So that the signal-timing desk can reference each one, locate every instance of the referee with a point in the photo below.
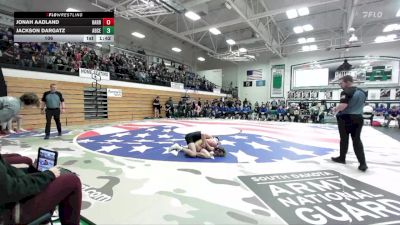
(51, 102)
(350, 120)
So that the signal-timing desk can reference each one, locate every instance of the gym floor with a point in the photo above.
(129, 177)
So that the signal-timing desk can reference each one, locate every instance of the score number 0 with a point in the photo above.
(108, 21)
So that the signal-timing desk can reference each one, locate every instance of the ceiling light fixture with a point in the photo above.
(298, 29)
(192, 15)
(387, 38)
(71, 10)
(305, 48)
(391, 27)
(313, 47)
(215, 31)
(353, 38)
(201, 59)
(305, 40)
(380, 39)
(230, 42)
(291, 14)
(391, 37)
(138, 35)
(308, 27)
(303, 11)
(242, 50)
(250, 56)
(175, 49)
(302, 40)
(310, 40)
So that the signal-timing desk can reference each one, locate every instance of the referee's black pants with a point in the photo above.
(56, 114)
(351, 124)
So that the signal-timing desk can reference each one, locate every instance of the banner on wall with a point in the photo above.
(94, 74)
(217, 90)
(277, 73)
(385, 94)
(254, 74)
(260, 83)
(177, 85)
(374, 94)
(247, 83)
(117, 93)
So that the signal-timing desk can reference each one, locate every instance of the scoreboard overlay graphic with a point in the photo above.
(64, 26)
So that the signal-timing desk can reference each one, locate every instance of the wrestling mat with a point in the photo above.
(129, 177)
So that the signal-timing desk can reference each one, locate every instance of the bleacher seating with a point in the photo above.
(67, 58)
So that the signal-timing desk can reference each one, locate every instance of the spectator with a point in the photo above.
(368, 113)
(156, 107)
(281, 113)
(169, 108)
(36, 193)
(393, 114)
(11, 106)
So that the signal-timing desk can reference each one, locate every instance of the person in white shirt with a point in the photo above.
(368, 112)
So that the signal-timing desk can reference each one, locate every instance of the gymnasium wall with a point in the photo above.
(236, 73)
(135, 103)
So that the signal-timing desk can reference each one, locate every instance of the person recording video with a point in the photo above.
(26, 194)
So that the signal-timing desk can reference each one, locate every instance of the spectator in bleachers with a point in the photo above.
(221, 110)
(206, 109)
(238, 111)
(263, 112)
(156, 107)
(281, 112)
(314, 113)
(381, 110)
(181, 108)
(169, 108)
(246, 110)
(245, 102)
(368, 112)
(392, 114)
(197, 109)
(274, 104)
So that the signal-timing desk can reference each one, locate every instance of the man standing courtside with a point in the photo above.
(350, 120)
(52, 101)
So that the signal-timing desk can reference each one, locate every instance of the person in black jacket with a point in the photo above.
(27, 194)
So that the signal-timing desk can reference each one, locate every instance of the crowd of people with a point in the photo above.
(388, 113)
(69, 57)
(233, 108)
(274, 110)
